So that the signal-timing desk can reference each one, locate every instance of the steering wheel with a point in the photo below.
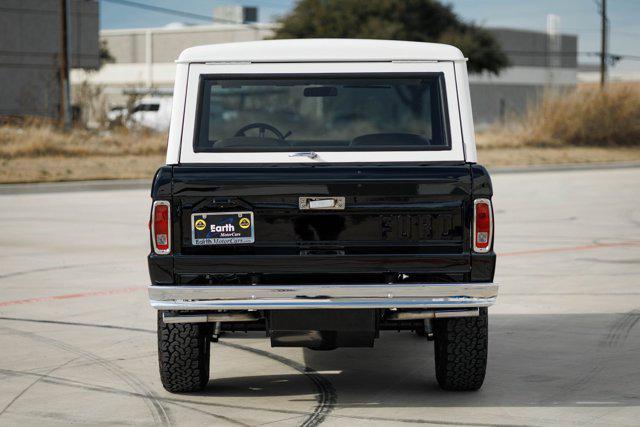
(262, 127)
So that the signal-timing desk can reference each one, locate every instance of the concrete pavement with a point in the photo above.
(77, 337)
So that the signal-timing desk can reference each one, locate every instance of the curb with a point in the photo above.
(563, 168)
(73, 186)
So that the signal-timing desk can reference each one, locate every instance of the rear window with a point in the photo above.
(320, 113)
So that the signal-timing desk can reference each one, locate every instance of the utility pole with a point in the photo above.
(603, 40)
(64, 63)
(69, 116)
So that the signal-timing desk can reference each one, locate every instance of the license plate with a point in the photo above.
(222, 228)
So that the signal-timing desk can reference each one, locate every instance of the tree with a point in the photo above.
(415, 20)
(104, 54)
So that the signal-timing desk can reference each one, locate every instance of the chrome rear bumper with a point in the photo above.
(334, 296)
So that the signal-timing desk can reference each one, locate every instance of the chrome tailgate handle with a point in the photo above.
(321, 203)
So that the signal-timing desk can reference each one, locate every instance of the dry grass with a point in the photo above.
(36, 151)
(583, 126)
(53, 169)
(45, 140)
(586, 117)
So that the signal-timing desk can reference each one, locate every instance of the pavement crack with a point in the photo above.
(619, 331)
(54, 268)
(104, 389)
(34, 382)
(326, 396)
(158, 411)
(318, 415)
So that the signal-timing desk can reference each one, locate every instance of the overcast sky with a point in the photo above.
(577, 17)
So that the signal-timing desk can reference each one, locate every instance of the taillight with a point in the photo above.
(161, 227)
(482, 225)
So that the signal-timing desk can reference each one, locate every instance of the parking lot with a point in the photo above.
(78, 345)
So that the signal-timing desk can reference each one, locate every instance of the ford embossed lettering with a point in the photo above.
(321, 192)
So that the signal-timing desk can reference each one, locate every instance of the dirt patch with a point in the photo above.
(60, 168)
(48, 169)
(525, 156)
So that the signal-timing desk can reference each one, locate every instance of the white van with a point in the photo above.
(151, 113)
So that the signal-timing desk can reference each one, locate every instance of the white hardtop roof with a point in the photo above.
(321, 50)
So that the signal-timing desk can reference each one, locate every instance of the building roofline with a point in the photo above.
(190, 28)
(527, 30)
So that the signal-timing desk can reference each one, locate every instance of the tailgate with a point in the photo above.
(390, 220)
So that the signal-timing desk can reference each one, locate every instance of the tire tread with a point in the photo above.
(183, 356)
(461, 347)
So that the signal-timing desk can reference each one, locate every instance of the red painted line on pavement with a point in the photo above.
(117, 291)
(569, 248)
(101, 293)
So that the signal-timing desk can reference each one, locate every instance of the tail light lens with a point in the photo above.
(482, 225)
(161, 227)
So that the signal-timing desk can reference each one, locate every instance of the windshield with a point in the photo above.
(322, 114)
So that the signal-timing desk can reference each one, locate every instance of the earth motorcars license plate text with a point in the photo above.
(222, 228)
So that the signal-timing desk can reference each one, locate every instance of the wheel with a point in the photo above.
(461, 351)
(183, 355)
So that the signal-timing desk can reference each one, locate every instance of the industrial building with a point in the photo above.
(144, 63)
(143, 57)
(538, 61)
(30, 53)
(589, 73)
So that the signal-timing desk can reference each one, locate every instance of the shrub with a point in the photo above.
(586, 116)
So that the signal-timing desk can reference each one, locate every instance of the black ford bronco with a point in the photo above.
(322, 191)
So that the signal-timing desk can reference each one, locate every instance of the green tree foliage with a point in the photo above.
(416, 20)
(104, 54)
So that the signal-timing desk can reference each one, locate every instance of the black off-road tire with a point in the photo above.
(183, 355)
(461, 351)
